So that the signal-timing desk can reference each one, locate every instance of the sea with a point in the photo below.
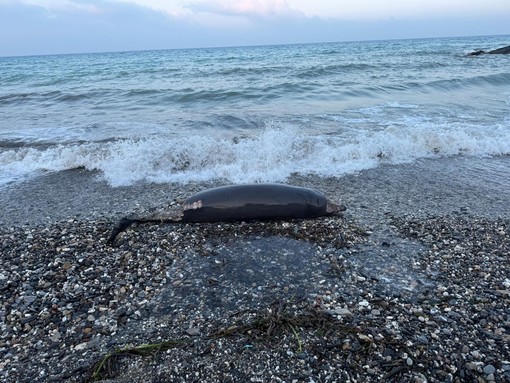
(252, 114)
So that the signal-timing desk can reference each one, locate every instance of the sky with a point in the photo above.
(33, 27)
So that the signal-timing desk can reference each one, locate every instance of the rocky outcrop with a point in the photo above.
(499, 51)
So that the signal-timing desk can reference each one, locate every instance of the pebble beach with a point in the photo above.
(410, 284)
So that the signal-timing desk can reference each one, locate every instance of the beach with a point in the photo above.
(410, 284)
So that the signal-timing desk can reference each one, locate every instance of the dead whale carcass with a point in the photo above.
(243, 203)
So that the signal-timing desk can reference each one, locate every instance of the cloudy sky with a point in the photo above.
(72, 26)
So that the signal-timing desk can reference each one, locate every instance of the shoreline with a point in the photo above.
(476, 186)
(411, 284)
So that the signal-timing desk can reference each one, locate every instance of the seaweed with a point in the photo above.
(280, 318)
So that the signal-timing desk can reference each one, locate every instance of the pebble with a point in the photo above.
(341, 311)
(80, 346)
(472, 366)
(69, 299)
(193, 331)
(489, 369)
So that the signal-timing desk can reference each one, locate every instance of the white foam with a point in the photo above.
(271, 155)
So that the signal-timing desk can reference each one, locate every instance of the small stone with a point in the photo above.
(81, 346)
(489, 369)
(409, 361)
(342, 312)
(420, 379)
(302, 355)
(55, 336)
(193, 331)
(29, 299)
(422, 339)
(471, 366)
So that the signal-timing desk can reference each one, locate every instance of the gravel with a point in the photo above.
(398, 292)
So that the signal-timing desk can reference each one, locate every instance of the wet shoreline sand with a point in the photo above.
(411, 284)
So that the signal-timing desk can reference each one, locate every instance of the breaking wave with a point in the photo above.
(270, 156)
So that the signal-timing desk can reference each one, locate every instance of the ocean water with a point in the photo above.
(252, 114)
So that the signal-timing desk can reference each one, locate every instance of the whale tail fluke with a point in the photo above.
(122, 225)
(159, 217)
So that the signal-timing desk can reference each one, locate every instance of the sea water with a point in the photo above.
(252, 114)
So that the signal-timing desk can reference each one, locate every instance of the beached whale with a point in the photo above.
(499, 51)
(242, 203)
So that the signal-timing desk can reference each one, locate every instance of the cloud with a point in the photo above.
(384, 9)
(64, 27)
(248, 8)
(195, 9)
(54, 6)
(174, 8)
(71, 26)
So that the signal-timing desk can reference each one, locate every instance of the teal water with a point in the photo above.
(250, 114)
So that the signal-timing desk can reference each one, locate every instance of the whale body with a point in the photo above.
(242, 203)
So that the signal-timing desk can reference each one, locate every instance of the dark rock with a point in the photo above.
(477, 53)
(499, 51)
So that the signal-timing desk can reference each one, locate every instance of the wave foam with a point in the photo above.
(272, 155)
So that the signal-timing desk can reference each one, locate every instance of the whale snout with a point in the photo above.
(333, 208)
